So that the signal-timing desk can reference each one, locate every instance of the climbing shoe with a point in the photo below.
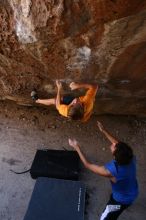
(34, 95)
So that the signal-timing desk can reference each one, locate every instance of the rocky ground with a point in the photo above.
(23, 130)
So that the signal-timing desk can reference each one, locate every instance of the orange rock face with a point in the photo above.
(95, 41)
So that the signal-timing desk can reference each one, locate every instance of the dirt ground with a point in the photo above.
(23, 130)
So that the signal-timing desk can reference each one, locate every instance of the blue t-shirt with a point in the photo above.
(125, 190)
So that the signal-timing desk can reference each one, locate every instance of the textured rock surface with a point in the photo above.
(93, 41)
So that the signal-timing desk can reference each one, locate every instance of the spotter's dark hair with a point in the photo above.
(123, 153)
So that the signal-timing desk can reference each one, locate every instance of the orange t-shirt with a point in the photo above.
(88, 102)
